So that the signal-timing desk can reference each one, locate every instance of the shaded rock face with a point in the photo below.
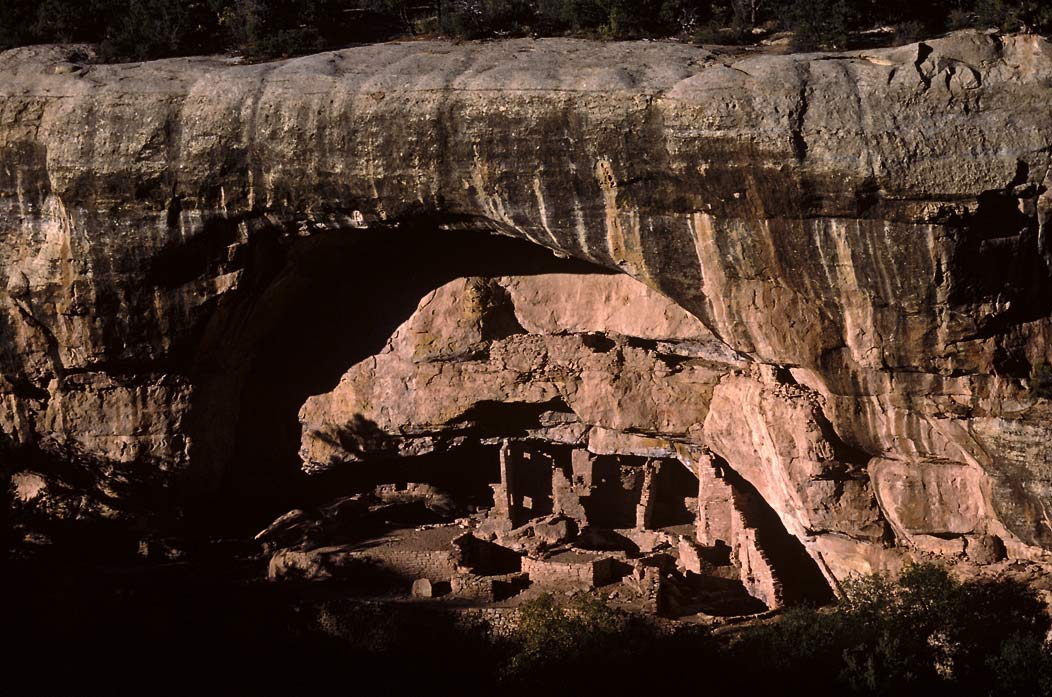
(835, 274)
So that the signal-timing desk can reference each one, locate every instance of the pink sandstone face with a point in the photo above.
(825, 277)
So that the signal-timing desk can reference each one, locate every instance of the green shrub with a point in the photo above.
(64, 21)
(17, 18)
(144, 29)
(1021, 668)
(550, 640)
(923, 633)
(823, 23)
(139, 29)
(265, 30)
(1013, 15)
(472, 19)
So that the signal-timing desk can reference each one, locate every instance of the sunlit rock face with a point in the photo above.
(550, 342)
(835, 273)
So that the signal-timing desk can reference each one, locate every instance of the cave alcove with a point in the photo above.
(308, 309)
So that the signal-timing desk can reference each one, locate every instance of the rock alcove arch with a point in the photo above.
(459, 345)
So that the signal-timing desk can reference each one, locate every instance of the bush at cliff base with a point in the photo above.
(925, 633)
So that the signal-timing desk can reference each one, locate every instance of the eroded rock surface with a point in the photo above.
(465, 365)
(842, 274)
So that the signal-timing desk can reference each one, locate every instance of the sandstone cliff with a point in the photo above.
(841, 274)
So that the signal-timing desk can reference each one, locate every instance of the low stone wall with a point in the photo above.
(434, 565)
(499, 621)
(488, 588)
(569, 569)
(339, 562)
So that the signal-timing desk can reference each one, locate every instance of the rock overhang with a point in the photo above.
(819, 213)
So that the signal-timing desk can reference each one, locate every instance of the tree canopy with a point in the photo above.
(260, 29)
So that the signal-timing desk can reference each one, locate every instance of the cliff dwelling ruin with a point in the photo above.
(511, 437)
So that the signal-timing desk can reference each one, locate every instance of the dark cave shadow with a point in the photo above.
(358, 437)
(313, 307)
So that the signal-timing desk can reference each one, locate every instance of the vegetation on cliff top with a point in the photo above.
(143, 29)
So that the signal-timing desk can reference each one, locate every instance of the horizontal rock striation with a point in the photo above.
(841, 263)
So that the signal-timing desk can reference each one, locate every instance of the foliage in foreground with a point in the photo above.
(925, 633)
(142, 29)
(582, 642)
